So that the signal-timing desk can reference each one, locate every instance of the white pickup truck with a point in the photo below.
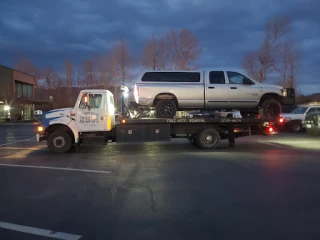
(171, 91)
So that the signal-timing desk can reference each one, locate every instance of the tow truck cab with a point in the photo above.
(93, 112)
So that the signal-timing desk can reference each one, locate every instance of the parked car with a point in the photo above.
(213, 113)
(37, 113)
(312, 123)
(172, 91)
(293, 120)
(203, 114)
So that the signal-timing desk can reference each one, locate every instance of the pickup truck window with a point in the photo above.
(299, 110)
(311, 110)
(236, 78)
(217, 77)
(171, 77)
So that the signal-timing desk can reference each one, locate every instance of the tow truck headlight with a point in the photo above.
(40, 129)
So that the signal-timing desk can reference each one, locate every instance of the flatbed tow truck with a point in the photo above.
(92, 119)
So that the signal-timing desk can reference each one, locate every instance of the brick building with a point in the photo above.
(16, 94)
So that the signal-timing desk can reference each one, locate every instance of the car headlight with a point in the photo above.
(284, 92)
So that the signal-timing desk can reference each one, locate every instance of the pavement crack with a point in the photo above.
(153, 203)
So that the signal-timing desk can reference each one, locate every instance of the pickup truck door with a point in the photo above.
(92, 118)
(243, 93)
(216, 90)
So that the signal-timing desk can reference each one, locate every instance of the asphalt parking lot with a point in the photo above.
(264, 188)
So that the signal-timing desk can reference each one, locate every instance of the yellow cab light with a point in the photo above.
(40, 129)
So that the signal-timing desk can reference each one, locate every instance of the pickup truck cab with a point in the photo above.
(171, 91)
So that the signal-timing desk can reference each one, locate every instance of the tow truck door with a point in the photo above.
(91, 112)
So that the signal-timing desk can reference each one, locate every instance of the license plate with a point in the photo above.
(308, 126)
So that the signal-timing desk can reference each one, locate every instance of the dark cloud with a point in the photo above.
(50, 31)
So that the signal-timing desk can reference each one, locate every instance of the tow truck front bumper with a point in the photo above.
(40, 137)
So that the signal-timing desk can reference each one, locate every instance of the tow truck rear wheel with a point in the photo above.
(59, 142)
(208, 138)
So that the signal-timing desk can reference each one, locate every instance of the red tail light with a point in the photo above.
(270, 129)
(280, 120)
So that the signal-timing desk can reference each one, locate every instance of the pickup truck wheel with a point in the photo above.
(270, 108)
(295, 126)
(166, 109)
(208, 138)
(59, 142)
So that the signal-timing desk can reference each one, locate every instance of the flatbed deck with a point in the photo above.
(197, 130)
(195, 120)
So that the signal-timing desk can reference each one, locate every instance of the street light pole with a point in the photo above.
(124, 95)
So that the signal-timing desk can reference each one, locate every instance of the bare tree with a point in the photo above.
(259, 63)
(120, 65)
(69, 80)
(27, 66)
(51, 83)
(89, 73)
(153, 54)
(183, 47)
(291, 55)
(121, 59)
(106, 71)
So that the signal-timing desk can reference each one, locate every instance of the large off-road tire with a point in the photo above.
(270, 109)
(60, 142)
(208, 138)
(166, 109)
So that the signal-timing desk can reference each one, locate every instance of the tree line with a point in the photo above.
(173, 50)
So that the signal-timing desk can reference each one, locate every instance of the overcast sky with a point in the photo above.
(48, 31)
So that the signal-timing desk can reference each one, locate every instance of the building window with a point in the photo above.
(23, 90)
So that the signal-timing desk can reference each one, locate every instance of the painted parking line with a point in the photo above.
(23, 140)
(55, 168)
(39, 231)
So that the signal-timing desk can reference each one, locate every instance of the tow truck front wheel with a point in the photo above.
(208, 138)
(59, 142)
